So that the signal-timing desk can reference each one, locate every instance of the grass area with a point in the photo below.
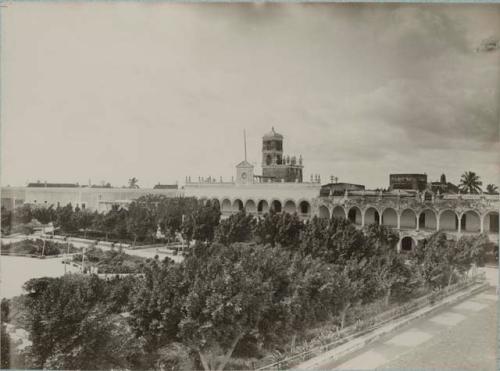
(37, 247)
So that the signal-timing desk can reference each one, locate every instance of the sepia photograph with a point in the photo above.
(249, 186)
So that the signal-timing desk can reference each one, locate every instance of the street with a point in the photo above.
(463, 336)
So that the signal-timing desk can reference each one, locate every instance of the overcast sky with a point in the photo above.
(160, 91)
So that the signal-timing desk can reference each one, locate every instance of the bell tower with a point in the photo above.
(272, 149)
(275, 166)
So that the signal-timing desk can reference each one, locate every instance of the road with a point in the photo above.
(462, 336)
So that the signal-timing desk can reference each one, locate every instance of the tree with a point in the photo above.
(71, 327)
(65, 218)
(226, 299)
(140, 221)
(237, 228)
(133, 182)
(23, 214)
(44, 215)
(201, 223)
(5, 347)
(492, 189)
(6, 221)
(279, 229)
(83, 219)
(344, 287)
(156, 304)
(335, 241)
(470, 183)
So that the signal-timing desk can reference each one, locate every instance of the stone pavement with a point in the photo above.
(462, 336)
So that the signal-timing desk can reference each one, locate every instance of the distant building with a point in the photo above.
(52, 185)
(417, 182)
(338, 189)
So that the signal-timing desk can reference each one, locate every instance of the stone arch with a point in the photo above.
(372, 216)
(427, 220)
(262, 207)
(305, 207)
(290, 207)
(226, 205)
(354, 215)
(237, 205)
(490, 222)
(407, 244)
(276, 206)
(390, 217)
(324, 213)
(250, 206)
(408, 219)
(470, 221)
(338, 212)
(448, 220)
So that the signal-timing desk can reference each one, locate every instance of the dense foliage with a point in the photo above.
(111, 261)
(246, 287)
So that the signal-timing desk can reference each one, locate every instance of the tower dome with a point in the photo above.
(273, 135)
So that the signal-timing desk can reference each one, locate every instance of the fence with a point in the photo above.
(365, 326)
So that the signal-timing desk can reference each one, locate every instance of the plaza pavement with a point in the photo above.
(460, 337)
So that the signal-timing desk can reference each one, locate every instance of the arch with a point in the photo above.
(215, 203)
(408, 219)
(354, 215)
(448, 221)
(490, 222)
(262, 207)
(276, 206)
(338, 212)
(470, 221)
(372, 216)
(237, 205)
(324, 213)
(290, 207)
(226, 205)
(407, 244)
(305, 208)
(390, 217)
(427, 220)
(250, 206)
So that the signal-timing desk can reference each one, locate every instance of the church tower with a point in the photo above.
(275, 166)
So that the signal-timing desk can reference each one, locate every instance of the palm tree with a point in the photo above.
(470, 182)
(492, 189)
(133, 182)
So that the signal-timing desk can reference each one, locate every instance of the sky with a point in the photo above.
(159, 91)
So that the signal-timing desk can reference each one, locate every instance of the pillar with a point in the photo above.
(460, 223)
(362, 218)
(438, 217)
(398, 220)
(481, 223)
(417, 216)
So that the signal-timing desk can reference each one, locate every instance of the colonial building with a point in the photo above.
(412, 207)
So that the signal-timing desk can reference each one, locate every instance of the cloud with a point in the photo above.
(489, 45)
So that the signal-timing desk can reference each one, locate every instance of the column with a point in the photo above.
(417, 216)
(399, 220)
(481, 222)
(438, 216)
(362, 217)
(460, 224)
